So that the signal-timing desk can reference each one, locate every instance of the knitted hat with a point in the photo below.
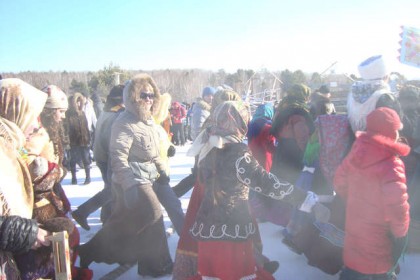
(114, 98)
(208, 91)
(383, 121)
(57, 99)
(373, 68)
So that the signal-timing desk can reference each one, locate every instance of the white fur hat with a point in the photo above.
(57, 99)
(373, 68)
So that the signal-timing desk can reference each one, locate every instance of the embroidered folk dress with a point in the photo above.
(223, 224)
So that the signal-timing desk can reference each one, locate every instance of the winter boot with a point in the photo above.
(73, 176)
(87, 180)
(80, 218)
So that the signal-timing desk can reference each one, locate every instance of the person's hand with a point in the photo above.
(321, 212)
(171, 151)
(41, 239)
(131, 197)
(163, 179)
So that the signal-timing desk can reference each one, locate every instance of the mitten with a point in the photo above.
(171, 151)
(311, 205)
(131, 197)
(163, 179)
(58, 224)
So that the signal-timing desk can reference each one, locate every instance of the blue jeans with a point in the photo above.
(350, 274)
(172, 205)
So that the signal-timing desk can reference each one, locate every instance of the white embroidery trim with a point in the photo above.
(247, 181)
(197, 229)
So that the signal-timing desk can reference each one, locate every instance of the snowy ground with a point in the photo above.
(292, 266)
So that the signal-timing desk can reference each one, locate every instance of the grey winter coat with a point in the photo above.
(200, 112)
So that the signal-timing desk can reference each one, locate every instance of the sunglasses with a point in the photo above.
(145, 95)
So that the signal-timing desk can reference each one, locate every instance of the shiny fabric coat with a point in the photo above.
(371, 180)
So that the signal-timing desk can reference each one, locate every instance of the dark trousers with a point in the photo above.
(178, 137)
(77, 154)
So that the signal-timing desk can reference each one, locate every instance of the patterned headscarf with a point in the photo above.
(20, 102)
(228, 124)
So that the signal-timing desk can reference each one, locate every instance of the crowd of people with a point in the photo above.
(351, 179)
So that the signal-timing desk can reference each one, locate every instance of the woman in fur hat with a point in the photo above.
(20, 105)
(135, 231)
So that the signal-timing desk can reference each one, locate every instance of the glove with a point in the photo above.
(163, 179)
(131, 197)
(171, 151)
(321, 212)
(398, 247)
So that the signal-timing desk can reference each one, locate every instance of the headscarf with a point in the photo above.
(262, 116)
(362, 100)
(264, 111)
(20, 105)
(20, 102)
(293, 103)
(228, 124)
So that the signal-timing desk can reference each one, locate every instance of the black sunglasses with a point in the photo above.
(145, 95)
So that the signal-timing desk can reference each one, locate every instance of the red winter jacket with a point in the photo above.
(178, 113)
(371, 179)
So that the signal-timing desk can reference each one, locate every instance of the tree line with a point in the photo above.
(182, 84)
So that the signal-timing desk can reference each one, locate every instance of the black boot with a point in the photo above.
(80, 218)
(87, 180)
(100, 199)
(73, 176)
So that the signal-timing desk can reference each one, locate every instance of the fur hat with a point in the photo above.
(208, 91)
(57, 99)
(373, 68)
(383, 121)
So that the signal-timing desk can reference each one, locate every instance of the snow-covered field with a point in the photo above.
(292, 266)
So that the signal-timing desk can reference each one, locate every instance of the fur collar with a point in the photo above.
(203, 104)
(398, 148)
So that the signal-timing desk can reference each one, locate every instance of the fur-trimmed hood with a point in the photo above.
(132, 93)
(73, 102)
(370, 148)
(202, 104)
(161, 114)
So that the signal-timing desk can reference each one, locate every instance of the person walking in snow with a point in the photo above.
(79, 136)
(135, 231)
